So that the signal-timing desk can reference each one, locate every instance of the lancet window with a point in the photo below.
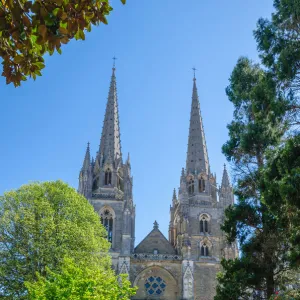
(201, 184)
(191, 186)
(107, 177)
(107, 222)
(204, 250)
(204, 224)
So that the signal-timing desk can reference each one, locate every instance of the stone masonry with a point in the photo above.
(185, 265)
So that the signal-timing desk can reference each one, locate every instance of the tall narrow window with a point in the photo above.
(201, 185)
(107, 177)
(191, 186)
(107, 222)
(204, 224)
(204, 250)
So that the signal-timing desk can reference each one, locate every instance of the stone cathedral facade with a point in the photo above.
(184, 266)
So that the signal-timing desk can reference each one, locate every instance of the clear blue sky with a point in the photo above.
(45, 125)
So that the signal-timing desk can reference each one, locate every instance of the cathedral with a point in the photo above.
(185, 265)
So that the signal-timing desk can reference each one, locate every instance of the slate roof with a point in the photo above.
(155, 240)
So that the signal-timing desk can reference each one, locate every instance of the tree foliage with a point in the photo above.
(41, 224)
(278, 41)
(258, 126)
(30, 29)
(80, 283)
(280, 187)
(263, 147)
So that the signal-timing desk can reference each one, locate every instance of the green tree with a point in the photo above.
(278, 41)
(280, 187)
(30, 29)
(258, 125)
(80, 283)
(40, 225)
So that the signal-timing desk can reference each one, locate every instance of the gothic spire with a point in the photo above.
(110, 143)
(174, 198)
(225, 178)
(197, 158)
(174, 194)
(87, 158)
(128, 159)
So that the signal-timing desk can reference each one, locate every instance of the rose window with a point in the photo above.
(155, 286)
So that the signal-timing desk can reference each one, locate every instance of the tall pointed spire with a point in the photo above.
(110, 139)
(197, 157)
(128, 159)
(225, 178)
(87, 158)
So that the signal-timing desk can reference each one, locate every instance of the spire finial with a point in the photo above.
(225, 178)
(114, 59)
(194, 69)
(87, 158)
(174, 194)
(182, 172)
(155, 225)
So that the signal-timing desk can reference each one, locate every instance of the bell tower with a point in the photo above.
(106, 182)
(196, 213)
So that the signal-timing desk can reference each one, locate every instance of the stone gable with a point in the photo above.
(155, 240)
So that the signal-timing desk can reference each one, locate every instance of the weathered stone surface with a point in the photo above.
(155, 243)
(184, 267)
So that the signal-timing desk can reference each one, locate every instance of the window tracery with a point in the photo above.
(155, 286)
(204, 224)
(107, 221)
(204, 250)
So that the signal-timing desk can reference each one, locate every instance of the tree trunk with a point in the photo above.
(270, 285)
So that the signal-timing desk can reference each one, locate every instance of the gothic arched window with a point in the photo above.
(201, 184)
(107, 222)
(107, 177)
(204, 250)
(204, 224)
(191, 186)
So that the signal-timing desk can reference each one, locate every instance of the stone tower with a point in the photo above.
(185, 266)
(107, 184)
(197, 213)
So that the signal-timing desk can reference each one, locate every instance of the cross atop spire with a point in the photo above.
(194, 69)
(197, 157)
(114, 59)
